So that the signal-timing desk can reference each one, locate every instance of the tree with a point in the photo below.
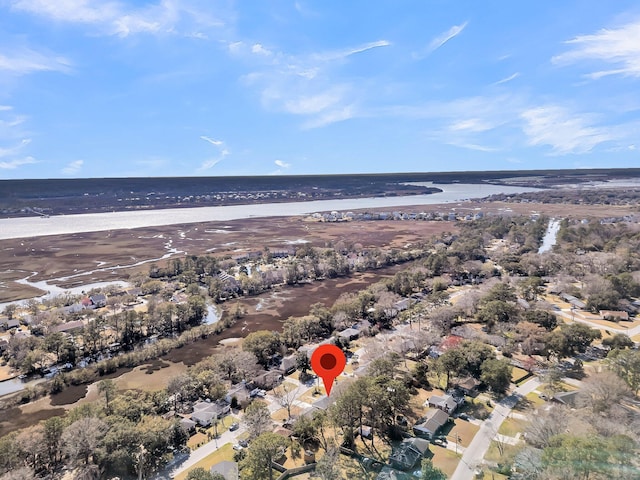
(429, 472)
(53, 429)
(496, 311)
(327, 468)
(541, 317)
(263, 344)
(626, 364)
(286, 394)
(201, 474)
(619, 341)
(108, 388)
(451, 362)
(602, 391)
(10, 311)
(496, 374)
(266, 448)
(257, 418)
(82, 438)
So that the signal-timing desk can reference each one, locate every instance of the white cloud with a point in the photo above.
(282, 164)
(508, 79)
(304, 84)
(211, 162)
(7, 152)
(258, 49)
(563, 131)
(73, 167)
(18, 162)
(22, 61)
(217, 143)
(441, 39)
(617, 46)
(116, 18)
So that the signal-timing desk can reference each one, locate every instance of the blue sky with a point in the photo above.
(95, 88)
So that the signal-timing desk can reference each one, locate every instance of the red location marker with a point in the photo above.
(328, 362)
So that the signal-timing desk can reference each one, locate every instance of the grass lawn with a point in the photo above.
(511, 426)
(309, 397)
(224, 453)
(518, 374)
(493, 454)
(201, 438)
(282, 415)
(531, 400)
(462, 430)
(445, 460)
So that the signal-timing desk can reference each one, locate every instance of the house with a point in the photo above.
(409, 454)
(67, 326)
(229, 470)
(575, 302)
(205, 412)
(188, 425)
(468, 386)
(239, 392)
(566, 398)
(99, 300)
(267, 380)
(614, 315)
(288, 364)
(433, 421)
(349, 334)
(7, 324)
(446, 403)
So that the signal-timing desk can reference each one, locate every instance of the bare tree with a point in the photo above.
(82, 438)
(286, 395)
(546, 424)
(602, 391)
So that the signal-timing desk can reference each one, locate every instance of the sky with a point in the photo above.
(119, 88)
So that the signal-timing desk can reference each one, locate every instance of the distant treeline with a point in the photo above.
(56, 196)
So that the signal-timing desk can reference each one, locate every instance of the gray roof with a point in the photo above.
(434, 419)
(445, 402)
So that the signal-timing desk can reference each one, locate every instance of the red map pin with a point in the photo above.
(328, 361)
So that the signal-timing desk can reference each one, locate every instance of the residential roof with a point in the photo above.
(65, 327)
(444, 402)
(434, 419)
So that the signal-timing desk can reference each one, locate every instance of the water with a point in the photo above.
(11, 386)
(212, 315)
(549, 239)
(96, 222)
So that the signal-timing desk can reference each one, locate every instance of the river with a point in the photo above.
(96, 222)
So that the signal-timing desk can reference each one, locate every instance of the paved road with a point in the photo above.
(199, 454)
(477, 449)
(566, 313)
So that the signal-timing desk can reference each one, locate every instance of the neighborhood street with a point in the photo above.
(475, 452)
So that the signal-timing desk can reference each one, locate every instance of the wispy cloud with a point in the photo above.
(22, 61)
(6, 152)
(217, 143)
(16, 162)
(211, 162)
(563, 131)
(116, 18)
(73, 168)
(307, 85)
(441, 39)
(508, 79)
(617, 46)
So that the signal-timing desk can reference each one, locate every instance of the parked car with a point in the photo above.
(243, 443)
(234, 426)
(442, 441)
(237, 447)
(464, 416)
